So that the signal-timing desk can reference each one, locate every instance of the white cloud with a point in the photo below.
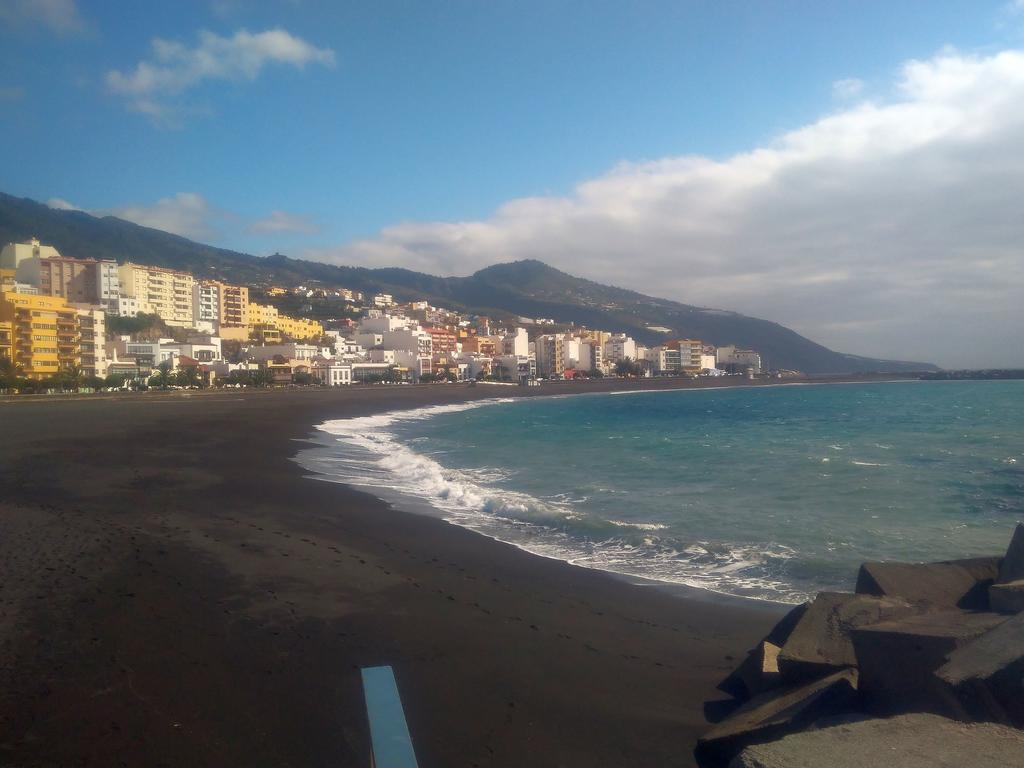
(187, 214)
(175, 68)
(60, 16)
(191, 215)
(890, 229)
(847, 88)
(280, 222)
(60, 204)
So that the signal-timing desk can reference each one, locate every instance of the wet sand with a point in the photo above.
(174, 592)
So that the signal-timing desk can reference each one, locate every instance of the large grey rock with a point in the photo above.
(777, 713)
(987, 675)
(908, 741)
(1012, 567)
(950, 584)
(897, 659)
(1008, 597)
(820, 642)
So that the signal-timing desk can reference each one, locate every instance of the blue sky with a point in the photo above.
(362, 117)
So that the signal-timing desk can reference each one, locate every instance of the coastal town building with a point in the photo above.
(165, 292)
(331, 372)
(618, 348)
(733, 358)
(92, 338)
(14, 254)
(690, 353)
(44, 333)
(74, 280)
(64, 302)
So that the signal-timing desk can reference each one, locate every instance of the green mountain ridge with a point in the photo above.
(526, 288)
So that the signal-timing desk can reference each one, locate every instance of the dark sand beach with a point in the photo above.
(174, 592)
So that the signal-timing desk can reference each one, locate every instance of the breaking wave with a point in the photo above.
(367, 452)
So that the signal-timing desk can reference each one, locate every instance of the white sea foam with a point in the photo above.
(373, 456)
(639, 526)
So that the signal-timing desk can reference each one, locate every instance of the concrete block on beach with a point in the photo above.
(777, 713)
(759, 672)
(908, 741)
(820, 642)
(1012, 567)
(897, 659)
(987, 675)
(1007, 598)
(949, 584)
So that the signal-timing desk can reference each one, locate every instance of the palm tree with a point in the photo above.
(188, 376)
(10, 373)
(162, 374)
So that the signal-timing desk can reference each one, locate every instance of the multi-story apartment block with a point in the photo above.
(664, 359)
(74, 280)
(44, 333)
(299, 328)
(226, 306)
(690, 353)
(516, 342)
(732, 357)
(234, 306)
(547, 352)
(92, 336)
(167, 292)
(619, 347)
(482, 345)
(443, 344)
(206, 302)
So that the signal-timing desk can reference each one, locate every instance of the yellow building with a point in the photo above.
(299, 328)
(263, 319)
(44, 333)
(6, 339)
(166, 292)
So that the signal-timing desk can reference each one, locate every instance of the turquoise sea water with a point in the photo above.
(772, 492)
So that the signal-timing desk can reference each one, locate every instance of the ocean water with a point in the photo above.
(770, 493)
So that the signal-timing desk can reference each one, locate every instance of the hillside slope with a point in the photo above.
(528, 288)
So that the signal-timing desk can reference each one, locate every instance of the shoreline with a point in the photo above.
(174, 590)
(408, 502)
(416, 504)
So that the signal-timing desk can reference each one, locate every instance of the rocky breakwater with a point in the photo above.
(861, 670)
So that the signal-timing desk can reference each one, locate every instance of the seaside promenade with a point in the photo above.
(175, 592)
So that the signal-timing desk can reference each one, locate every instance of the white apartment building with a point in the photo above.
(377, 322)
(92, 339)
(732, 356)
(290, 351)
(206, 302)
(664, 360)
(618, 348)
(517, 368)
(167, 292)
(516, 343)
(129, 306)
